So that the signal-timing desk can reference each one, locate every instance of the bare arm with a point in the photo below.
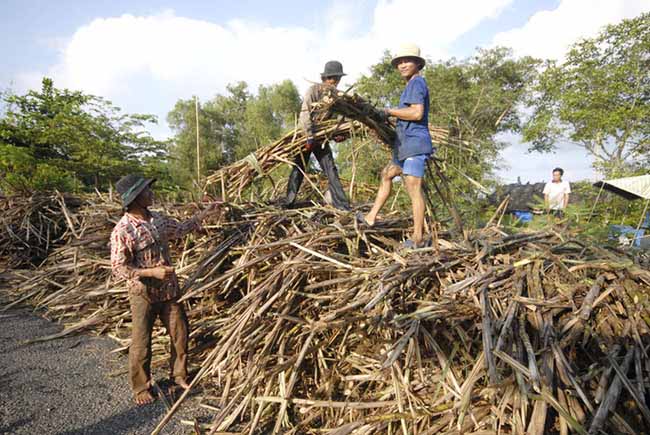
(566, 200)
(177, 230)
(414, 112)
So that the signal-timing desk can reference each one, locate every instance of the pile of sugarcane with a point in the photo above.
(30, 226)
(334, 329)
(304, 322)
(355, 117)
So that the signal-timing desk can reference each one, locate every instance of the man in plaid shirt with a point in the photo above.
(140, 255)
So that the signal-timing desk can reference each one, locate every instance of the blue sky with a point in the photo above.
(144, 55)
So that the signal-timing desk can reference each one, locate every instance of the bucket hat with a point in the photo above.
(130, 186)
(408, 50)
(333, 68)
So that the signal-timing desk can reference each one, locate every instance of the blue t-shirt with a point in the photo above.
(413, 137)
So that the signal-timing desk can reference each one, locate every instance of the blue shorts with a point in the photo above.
(414, 165)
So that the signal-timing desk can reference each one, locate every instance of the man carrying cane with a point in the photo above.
(413, 145)
(140, 255)
(330, 78)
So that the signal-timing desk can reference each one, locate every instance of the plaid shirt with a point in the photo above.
(141, 244)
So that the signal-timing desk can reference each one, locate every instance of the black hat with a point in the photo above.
(130, 186)
(333, 68)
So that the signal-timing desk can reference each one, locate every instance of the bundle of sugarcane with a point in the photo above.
(31, 226)
(355, 107)
(231, 180)
(355, 114)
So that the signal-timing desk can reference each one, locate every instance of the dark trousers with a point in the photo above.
(143, 315)
(326, 162)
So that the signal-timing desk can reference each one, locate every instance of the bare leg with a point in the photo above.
(414, 189)
(387, 174)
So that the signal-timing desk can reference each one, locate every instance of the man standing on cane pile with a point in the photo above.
(413, 145)
(140, 255)
(309, 113)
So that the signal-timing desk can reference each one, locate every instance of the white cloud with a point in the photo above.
(432, 24)
(548, 34)
(518, 163)
(193, 56)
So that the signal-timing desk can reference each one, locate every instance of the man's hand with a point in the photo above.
(384, 114)
(162, 272)
(339, 138)
(310, 144)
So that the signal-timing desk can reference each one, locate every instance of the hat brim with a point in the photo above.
(323, 75)
(398, 58)
(137, 191)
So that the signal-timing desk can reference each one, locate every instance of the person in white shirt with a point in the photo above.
(556, 194)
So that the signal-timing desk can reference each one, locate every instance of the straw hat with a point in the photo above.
(408, 50)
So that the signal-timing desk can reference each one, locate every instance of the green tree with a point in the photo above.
(65, 139)
(478, 98)
(268, 115)
(231, 126)
(230, 109)
(384, 85)
(598, 98)
(182, 120)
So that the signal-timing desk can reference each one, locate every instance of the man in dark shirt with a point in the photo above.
(309, 113)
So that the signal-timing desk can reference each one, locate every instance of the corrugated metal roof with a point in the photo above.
(629, 187)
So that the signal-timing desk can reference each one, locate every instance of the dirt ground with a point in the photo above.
(63, 386)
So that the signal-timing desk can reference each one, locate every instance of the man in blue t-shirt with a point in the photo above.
(413, 144)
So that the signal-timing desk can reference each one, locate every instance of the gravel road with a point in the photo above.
(63, 386)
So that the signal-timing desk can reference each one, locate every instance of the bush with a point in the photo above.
(48, 178)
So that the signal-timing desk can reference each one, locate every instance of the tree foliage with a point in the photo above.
(183, 159)
(57, 138)
(231, 126)
(598, 98)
